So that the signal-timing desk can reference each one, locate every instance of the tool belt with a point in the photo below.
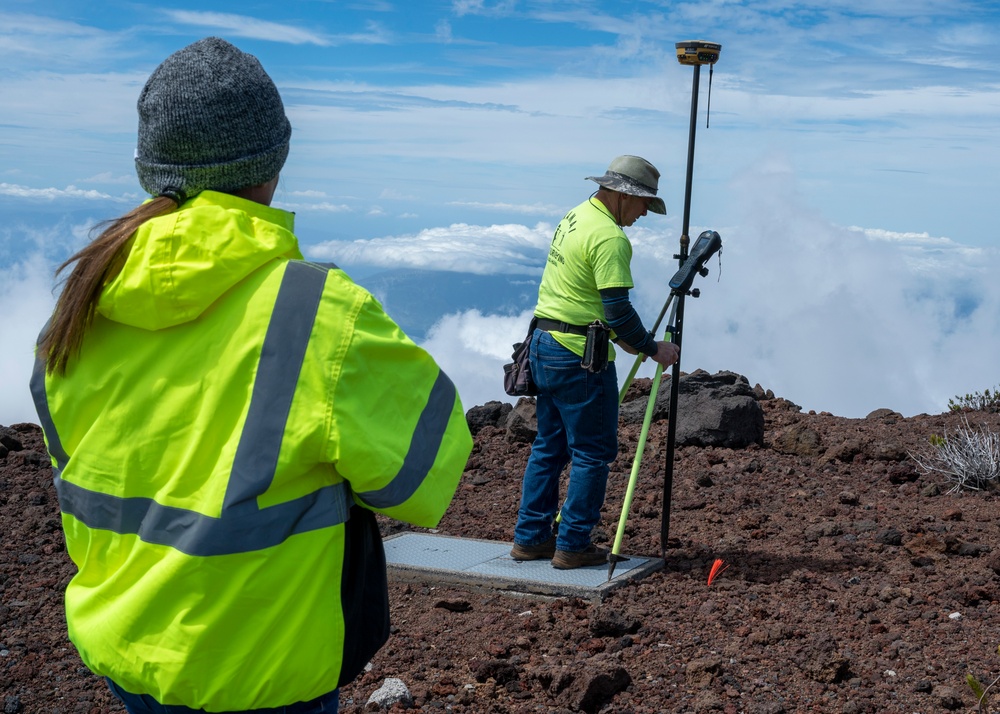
(548, 325)
(595, 350)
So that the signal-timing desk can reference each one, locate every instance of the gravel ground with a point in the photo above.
(855, 583)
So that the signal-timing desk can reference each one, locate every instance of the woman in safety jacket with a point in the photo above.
(225, 419)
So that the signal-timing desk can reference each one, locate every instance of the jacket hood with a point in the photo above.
(182, 262)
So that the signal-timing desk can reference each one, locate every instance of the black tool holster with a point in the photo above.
(595, 351)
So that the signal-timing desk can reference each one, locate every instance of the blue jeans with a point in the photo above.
(145, 704)
(577, 422)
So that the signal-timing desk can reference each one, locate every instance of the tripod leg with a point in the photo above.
(637, 459)
(668, 476)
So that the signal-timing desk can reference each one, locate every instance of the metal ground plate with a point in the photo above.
(432, 558)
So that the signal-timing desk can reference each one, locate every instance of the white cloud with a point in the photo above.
(481, 7)
(524, 143)
(924, 252)
(837, 319)
(845, 320)
(375, 34)
(371, 5)
(535, 208)
(108, 177)
(833, 319)
(244, 26)
(250, 27)
(322, 207)
(26, 301)
(391, 194)
(29, 40)
(510, 144)
(442, 30)
(460, 247)
(52, 194)
(472, 348)
(55, 130)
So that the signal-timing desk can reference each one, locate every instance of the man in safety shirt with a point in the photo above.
(587, 277)
(225, 419)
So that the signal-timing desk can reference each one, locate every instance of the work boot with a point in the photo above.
(542, 551)
(568, 559)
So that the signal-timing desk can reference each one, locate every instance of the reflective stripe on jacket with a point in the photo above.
(235, 417)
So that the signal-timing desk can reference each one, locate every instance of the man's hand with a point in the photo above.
(666, 353)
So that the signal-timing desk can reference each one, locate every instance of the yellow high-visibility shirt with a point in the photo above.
(589, 252)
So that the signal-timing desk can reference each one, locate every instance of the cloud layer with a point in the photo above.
(833, 318)
(850, 165)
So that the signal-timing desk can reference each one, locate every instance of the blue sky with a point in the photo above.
(850, 165)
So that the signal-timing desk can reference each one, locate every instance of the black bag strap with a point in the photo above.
(528, 336)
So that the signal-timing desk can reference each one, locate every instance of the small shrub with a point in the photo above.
(969, 459)
(985, 401)
(981, 691)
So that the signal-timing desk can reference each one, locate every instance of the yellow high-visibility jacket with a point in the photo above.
(235, 418)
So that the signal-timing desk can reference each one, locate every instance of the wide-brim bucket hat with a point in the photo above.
(634, 176)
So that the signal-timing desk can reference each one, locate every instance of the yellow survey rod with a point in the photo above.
(639, 358)
(639, 449)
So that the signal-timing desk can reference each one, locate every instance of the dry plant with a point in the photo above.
(969, 459)
(981, 691)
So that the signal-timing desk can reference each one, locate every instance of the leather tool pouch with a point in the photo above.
(595, 351)
(517, 381)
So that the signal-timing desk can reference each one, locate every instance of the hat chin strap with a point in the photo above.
(616, 216)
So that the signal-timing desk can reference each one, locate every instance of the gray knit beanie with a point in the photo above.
(210, 118)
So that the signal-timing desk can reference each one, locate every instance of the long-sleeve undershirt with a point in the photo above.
(625, 321)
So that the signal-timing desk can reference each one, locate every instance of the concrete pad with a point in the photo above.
(432, 558)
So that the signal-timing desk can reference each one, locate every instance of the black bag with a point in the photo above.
(517, 381)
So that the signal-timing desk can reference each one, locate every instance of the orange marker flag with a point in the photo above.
(717, 567)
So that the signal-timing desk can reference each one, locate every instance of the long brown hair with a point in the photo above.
(96, 265)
